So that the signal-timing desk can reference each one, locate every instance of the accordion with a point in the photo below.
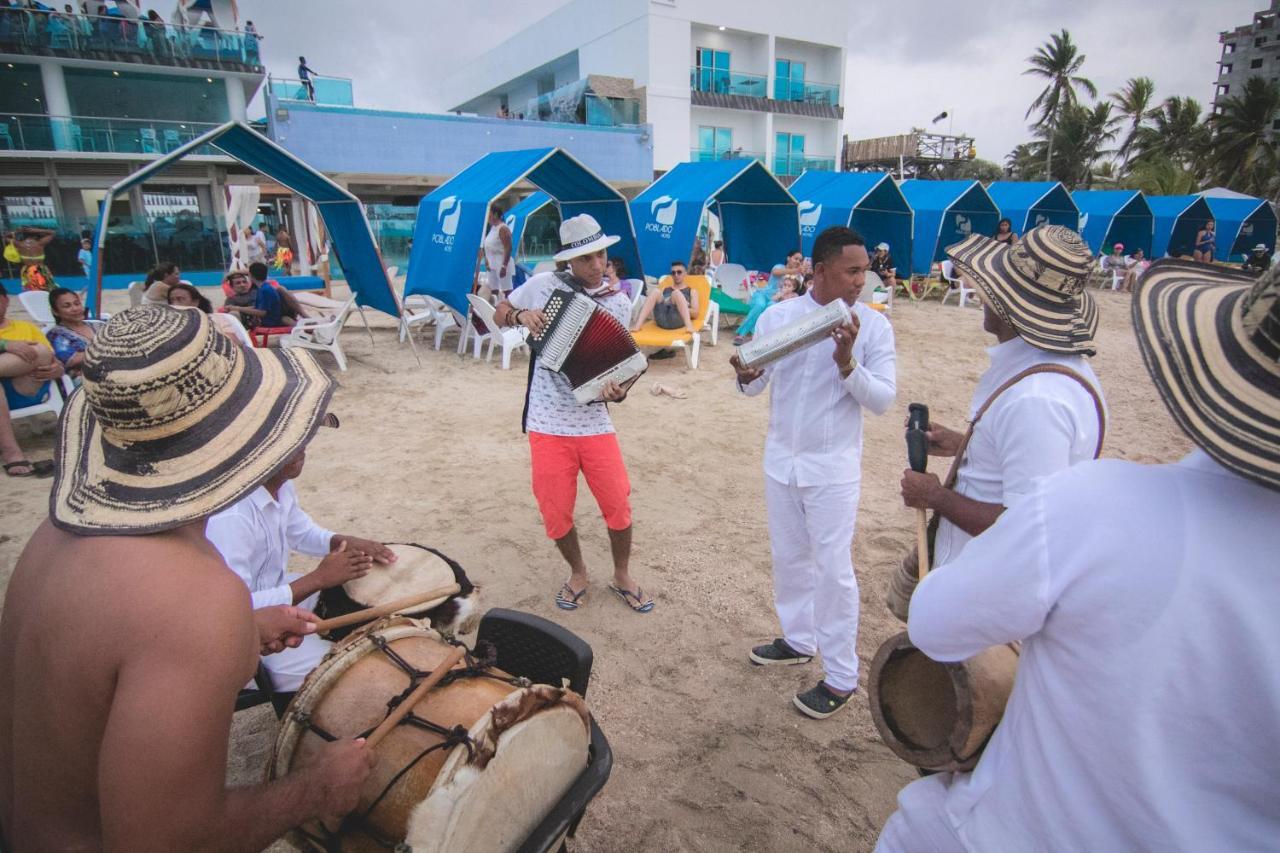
(587, 345)
(798, 334)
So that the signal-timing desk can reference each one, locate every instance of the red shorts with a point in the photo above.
(557, 459)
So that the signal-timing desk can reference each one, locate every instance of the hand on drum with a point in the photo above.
(920, 489)
(379, 552)
(282, 627)
(746, 375)
(343, 564)
(844, 337)
(336, 775)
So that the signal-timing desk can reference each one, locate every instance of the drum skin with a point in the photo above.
(348, 694)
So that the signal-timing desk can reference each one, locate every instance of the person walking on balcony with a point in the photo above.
(304, 75)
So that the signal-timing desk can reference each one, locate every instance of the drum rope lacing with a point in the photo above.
(475, 667)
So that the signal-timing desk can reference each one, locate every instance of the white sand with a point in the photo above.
(709, 754)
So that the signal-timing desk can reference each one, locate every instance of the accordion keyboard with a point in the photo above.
(567, 315)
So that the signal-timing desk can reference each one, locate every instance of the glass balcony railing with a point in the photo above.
(806, 91)
(704, 155)
(574, 103)
(28, 132)
(327, 91)
(794, 164)
(119, 38)
(705, 79)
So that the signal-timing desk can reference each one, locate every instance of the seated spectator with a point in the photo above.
(1005, 233)
(790, 288)
(159, 280)
(615, 272)
(717, 256)
(1116, 263)
(290, 306)
(72, 334)
(1138, 264)
(671, 307)
(185, 295)
(797, 264)
(1259, 260)
(27, 364)
(883, 266)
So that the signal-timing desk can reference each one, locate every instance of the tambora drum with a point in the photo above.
(475, 766)
(417, 569)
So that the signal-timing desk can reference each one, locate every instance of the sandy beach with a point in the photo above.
(709, 753)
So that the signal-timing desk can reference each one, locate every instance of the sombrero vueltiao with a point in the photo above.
(175, 422)
(1037, 285)
(1211, 339)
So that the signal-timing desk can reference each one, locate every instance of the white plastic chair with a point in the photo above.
(58, 389)
(231, 323)
(321, 333)
(136, 289)
(956, 283)
(36, 304)
(731, 279)
(637, 300)
(712, 323)
(511, 338)
(1116, 277)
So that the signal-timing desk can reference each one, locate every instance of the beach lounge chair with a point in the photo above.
(731, 289)
(511, 338)
(322, 334)
(36, 304)
(53, 395)
(955, 285)
(650, 335)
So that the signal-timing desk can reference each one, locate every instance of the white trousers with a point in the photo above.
(289, 667)
(921, 825)
(814, 587)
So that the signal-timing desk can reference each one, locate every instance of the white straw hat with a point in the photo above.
(581, 235)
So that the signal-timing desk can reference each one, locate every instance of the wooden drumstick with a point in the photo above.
(371, 613)
(922, 542)
(402, 710)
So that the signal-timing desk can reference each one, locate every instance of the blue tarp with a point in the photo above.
(451, 220)
(1241, 224)
(1177, 219)
(350, 237)
(517, 216)
(758, 217)
(1027, 204)
(1108, 217)
(945, 213)
(868, 202)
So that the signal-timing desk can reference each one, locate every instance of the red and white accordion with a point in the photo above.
(587, 345)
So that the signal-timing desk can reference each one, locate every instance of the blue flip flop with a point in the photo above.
(567, 599)
(634, 600)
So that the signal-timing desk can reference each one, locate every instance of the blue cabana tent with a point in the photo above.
(946, 212)
(1108, 217)
(349, 234)
(758, 217)
(1177, 219)
(451, 219)
(517, 216)
(868, 202)
(1027, 204)
(1241, 224)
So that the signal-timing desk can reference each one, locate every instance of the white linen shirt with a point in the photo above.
(1145, 708)
(255, 536)
(1041, 425)
(553, 410)
(815, 416)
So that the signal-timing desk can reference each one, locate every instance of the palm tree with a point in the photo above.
(1161, 176)
(1241, 155)
(1133, 102)
(1057, 62)
(1024, 163)
(1080, 136)
(1176, 132)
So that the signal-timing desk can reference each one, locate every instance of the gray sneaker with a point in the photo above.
(777, 652)
(820, 701)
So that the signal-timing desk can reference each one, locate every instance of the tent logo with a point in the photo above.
(809, 215)
(664, 210)
(510, 221)
(448, 214)
(1041, 219)
(1084, 221)
(1246, 229)
(963, 225)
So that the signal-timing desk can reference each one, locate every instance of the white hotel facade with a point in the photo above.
(715, 79)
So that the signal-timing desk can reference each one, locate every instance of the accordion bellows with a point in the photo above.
(588, 345)
(799, 333)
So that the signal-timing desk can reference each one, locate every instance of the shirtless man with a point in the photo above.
(124, 637)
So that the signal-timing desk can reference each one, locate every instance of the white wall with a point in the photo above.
(749, 53)
(668, 89)
(821, 136)
(822, 64)
(620, 53)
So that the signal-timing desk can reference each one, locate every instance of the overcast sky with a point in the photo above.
(908, 59)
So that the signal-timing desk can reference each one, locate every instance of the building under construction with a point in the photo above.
(910, 155)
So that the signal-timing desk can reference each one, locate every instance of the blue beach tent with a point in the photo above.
(1028, 204)
(758, 217)
(868, 202)
(350, 237)
(519, 215)
(945, 213)
(1241, 224)
(1177, 219)
(451, 219)
(1108, 217)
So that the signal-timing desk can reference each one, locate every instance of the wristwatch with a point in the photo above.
(851, 366)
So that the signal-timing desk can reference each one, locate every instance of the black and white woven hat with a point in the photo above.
(1037, 285)
(1211, 339)
(175, 422)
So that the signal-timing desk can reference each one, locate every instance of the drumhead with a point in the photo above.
(416, 570)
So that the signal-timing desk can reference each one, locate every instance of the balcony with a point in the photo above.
(577, 103)
(703, 78)
(705, 155)
(328, 91)
(806, 92)
(114, 38)
(28, 132)
(795, 164)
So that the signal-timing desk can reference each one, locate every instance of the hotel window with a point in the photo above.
(1259, 41)
(788, 154)
(1257, 63)
(788, 83)
(715, 143)
(712, 70)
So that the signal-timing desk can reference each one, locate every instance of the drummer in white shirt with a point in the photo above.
(812, 466)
